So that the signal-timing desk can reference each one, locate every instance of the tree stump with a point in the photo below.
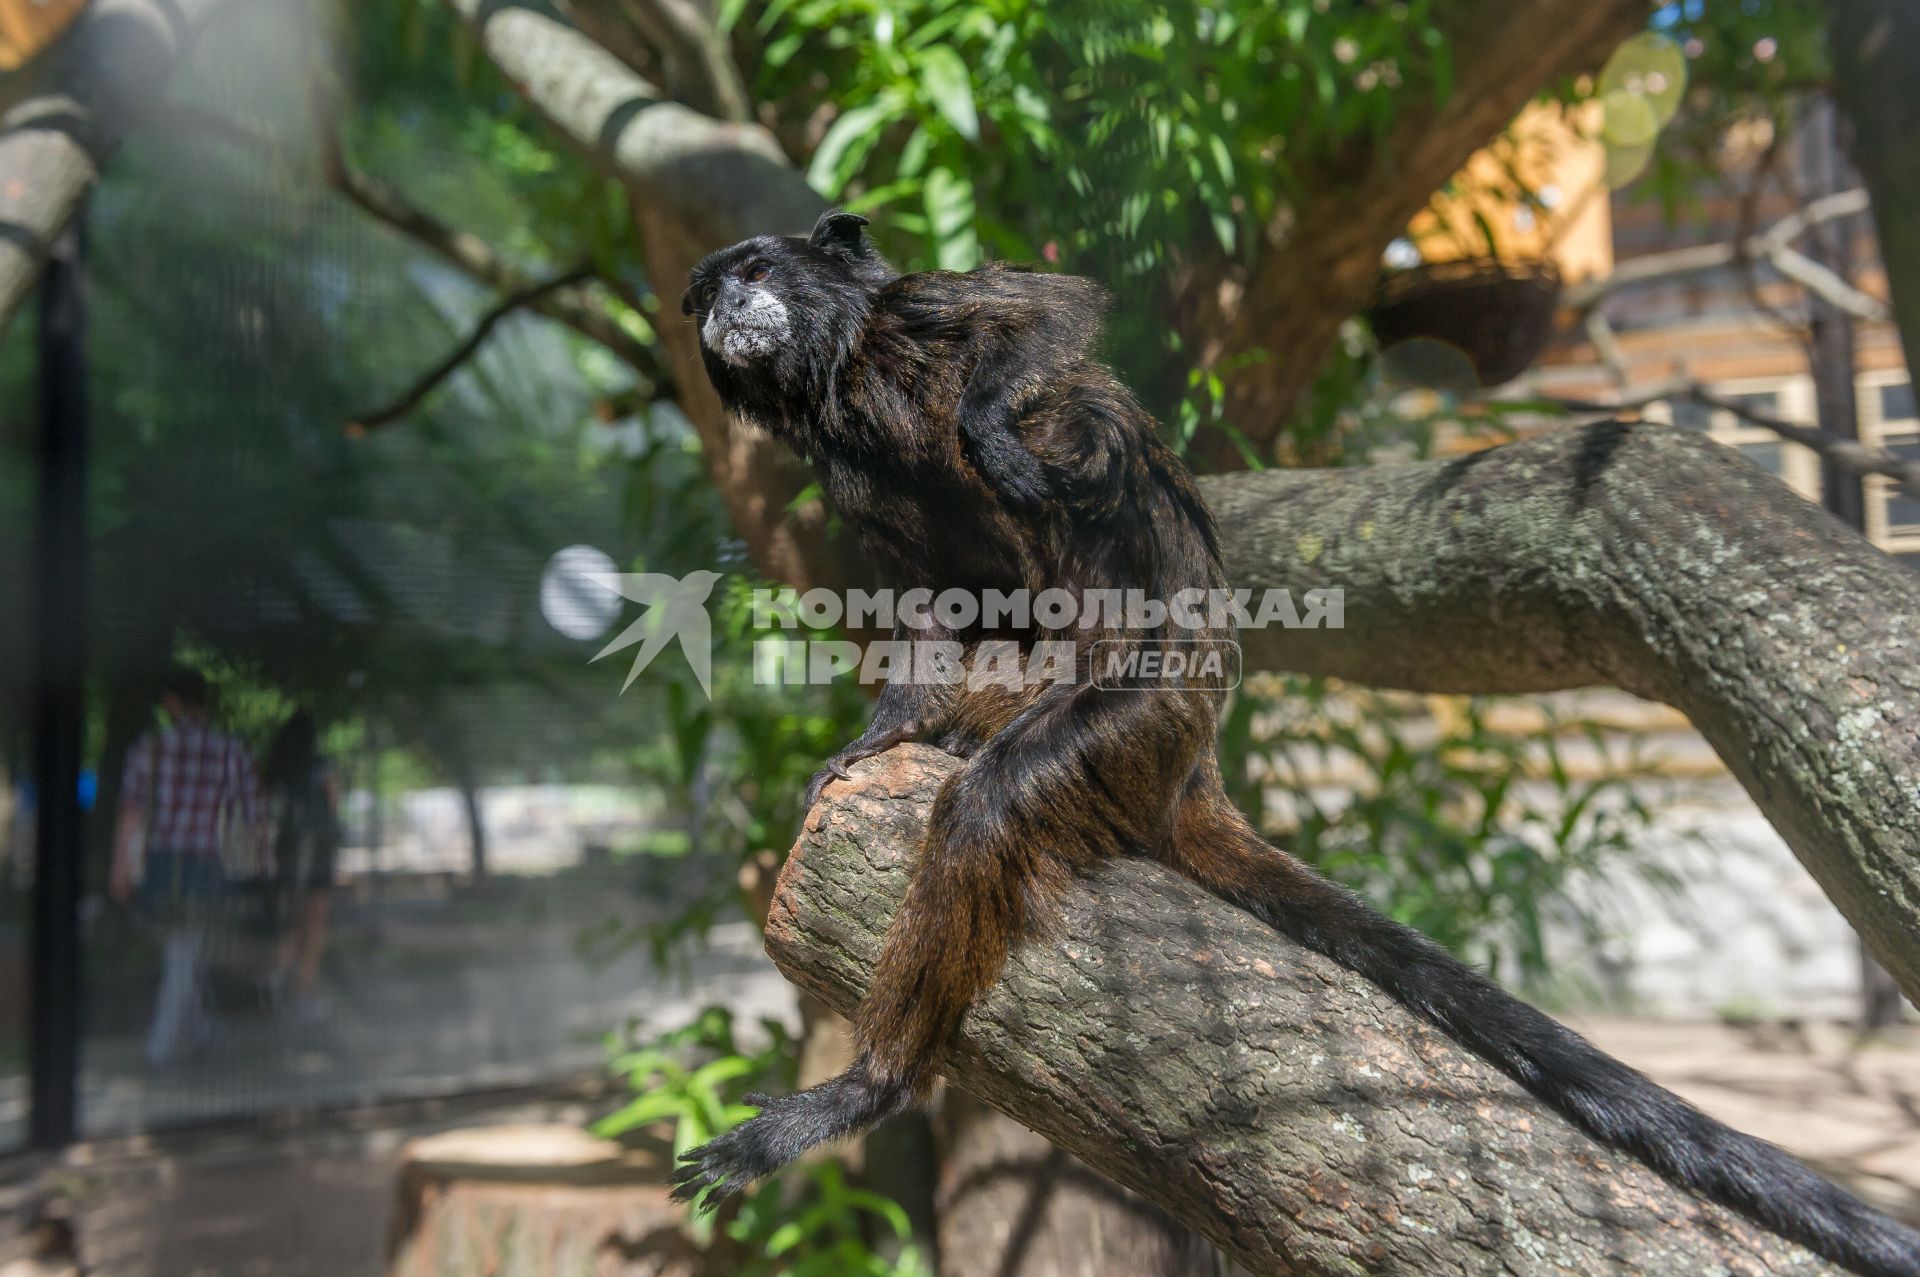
(534, 1201)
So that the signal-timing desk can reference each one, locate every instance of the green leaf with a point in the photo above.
(949, 200)
(724, 1069)
(785, 1238)
(944, 77)
(884, 1207)
(848, 143)
(645, 1109)
(1441, 59)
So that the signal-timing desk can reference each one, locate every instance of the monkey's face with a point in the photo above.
(776, 314)
(742, 309)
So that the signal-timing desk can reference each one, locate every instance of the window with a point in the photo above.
(1896, 402)
(1765, 403)
(1771, 457)
(1903, 507)
(1889, 420)
(1692, 415)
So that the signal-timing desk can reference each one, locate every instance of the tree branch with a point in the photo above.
(728, 178)
(1640, 557)
(1849, 454)
(572, 304)
(410, 398)
(1294, 1114)
(69, 112)
(693, 50)
(697, 183)
(1773, 246)
(1321, 260)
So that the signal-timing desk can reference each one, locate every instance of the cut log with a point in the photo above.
(534, 1201)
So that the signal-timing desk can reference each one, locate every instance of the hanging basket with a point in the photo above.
(1497, 314)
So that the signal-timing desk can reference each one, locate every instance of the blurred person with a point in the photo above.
(303, 793)
(190, 797)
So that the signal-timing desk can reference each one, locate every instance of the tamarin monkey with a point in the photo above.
(963, 426)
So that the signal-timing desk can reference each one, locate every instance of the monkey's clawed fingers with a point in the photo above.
(718, 1165)
(732, 1160)
(834, 770)
(858, 752)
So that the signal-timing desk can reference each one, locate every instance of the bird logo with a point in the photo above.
(676, 608)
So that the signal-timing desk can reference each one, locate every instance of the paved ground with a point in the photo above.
(312, 1200)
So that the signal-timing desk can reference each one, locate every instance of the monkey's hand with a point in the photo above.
(989, 416)
(785, 1127)
(875, 740)
(1007, 466)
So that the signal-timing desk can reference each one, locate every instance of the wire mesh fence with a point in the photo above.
(385, 585)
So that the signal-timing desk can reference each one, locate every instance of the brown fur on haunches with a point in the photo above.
(962, 426)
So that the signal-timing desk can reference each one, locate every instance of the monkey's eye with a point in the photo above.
(756, 271)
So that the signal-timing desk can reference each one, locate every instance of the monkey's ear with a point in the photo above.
(839, 233)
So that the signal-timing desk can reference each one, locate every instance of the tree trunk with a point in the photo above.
(1285, 1108)
(471, 795)
(1013, 1205)
(1875, 46)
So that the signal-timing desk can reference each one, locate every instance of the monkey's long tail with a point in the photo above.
(1603, 1097)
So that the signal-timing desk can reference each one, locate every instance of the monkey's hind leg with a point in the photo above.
(1001, 843)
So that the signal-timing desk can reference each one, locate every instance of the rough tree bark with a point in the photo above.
(1642, 557)
(1011, 1204)
(70, 110)
(1283, 1107)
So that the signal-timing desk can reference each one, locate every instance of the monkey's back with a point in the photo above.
(1125, 513)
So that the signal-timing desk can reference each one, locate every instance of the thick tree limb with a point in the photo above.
(1642, 557)
(1283, 1107)
(692, 49)
(70, 112)
(730, 179)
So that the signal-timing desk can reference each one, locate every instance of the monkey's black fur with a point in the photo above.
(962, 426)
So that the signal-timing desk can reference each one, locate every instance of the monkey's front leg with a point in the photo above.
(905, 710)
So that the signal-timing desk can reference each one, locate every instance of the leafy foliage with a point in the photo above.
(1477, 836)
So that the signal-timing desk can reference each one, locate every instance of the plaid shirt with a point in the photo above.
(184, 779)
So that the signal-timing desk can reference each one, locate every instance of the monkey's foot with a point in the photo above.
(785, 1127)
(858, 752)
